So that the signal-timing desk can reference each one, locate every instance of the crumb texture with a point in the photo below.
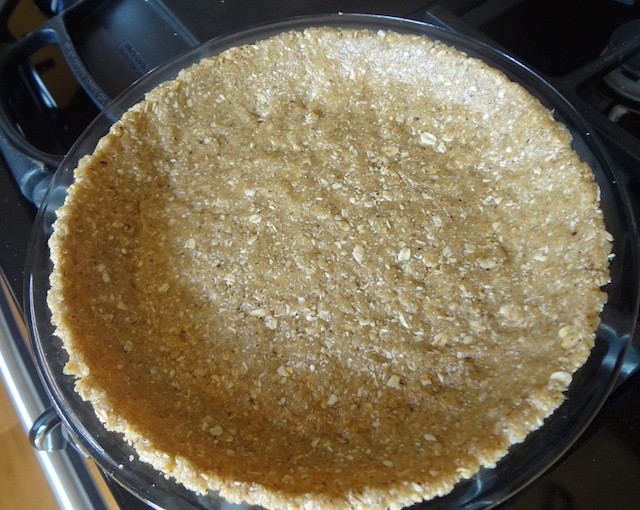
(334, 269)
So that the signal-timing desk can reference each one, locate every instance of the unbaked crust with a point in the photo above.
(334, 269)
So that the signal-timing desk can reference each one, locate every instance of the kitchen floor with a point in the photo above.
(22, 483)
(23, 486)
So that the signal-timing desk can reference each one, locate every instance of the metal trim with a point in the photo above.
(69, 478)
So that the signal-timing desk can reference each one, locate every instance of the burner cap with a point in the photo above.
(625, 80)
(624, 33)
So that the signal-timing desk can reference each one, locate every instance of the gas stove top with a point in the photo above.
(63, 61)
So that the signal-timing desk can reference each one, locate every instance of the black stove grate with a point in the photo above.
(61, 61)
(57, 75)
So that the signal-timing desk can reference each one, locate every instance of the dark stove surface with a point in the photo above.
(108, 44)
(554, 36)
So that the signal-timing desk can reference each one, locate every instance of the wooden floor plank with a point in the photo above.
(8, 418)
(23, 486)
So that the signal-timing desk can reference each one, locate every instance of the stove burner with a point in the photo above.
(609, 90)
(625, 80)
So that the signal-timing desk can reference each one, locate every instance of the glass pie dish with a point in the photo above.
(487, 488)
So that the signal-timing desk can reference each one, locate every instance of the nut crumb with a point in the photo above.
(394, 382)
(561, 377)
(428, 139)
(404, 254)
(284, 371)
(216, 431)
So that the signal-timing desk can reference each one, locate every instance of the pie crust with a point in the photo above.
(333, 269)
